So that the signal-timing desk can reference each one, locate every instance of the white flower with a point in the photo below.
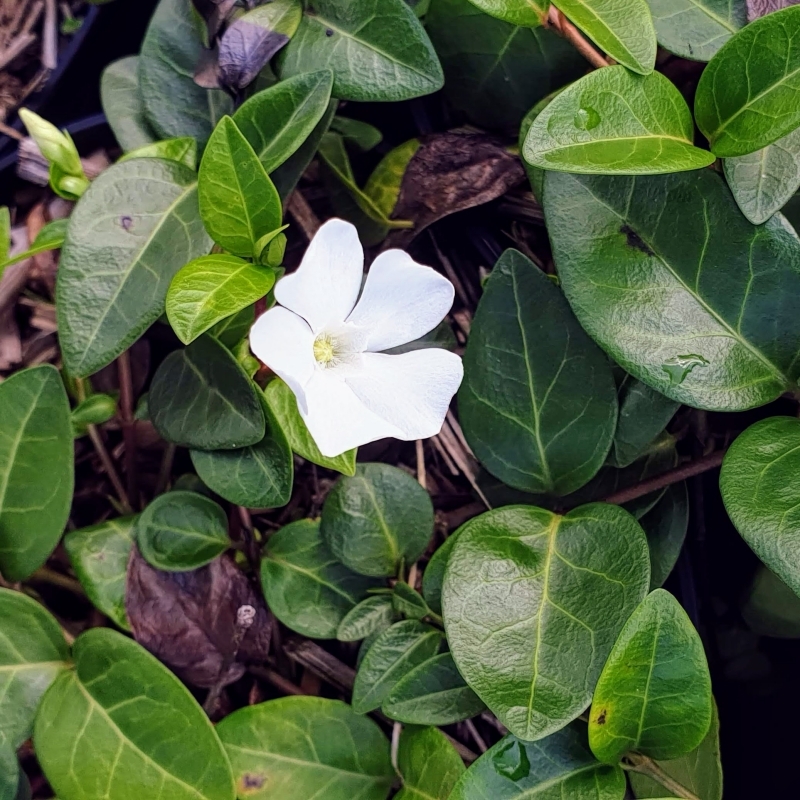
(326, 346)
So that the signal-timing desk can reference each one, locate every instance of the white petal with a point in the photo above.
(402, 300)
(324, 288)
(285, 343)
(411, 391)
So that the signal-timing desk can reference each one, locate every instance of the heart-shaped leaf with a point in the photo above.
(533, 603)
(518, 12)
(370, 616)
(123, 105)
(428, 764)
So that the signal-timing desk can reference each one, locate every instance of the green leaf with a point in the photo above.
(376, 49)
(721, 337)
(5, 233)
(238, 201)
(13, 783)
(533, 603)
(180, 531)
(622, 28)
(211, 288)
(386, 181)
(559, 766)
(665, 526)
(433, 693)
(283, 404)
(529, 13)
(36, 469)
(174, 104)
(233, 329)
(123, 104)
(94, 410)
(362, 135)
(201, 398)
(183, 150)
(296, 748)
(392, 656)
(433, 577)
(614, 122)
(409, 602)
(277, 121)
(120, 724)
(746, 97)
(428, 764)
(372, 615)
(764, 181)
(697, 28)
(32, 655)
(761, 494)
(538, 403)
(376, 519)
(50, 237)
(771, 608)
(306, 588)
(654, 694)
(496, 71)
(99, 555)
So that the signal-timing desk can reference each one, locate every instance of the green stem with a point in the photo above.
(646, 766)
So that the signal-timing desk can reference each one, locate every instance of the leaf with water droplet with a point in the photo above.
(678, 367)
(586, 119)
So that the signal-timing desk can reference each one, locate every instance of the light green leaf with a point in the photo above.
(183, 150)
(99, 555)
(386, 181)
(746, 97)
(123, 104)
(533, 603)
(5, 233)
(529, 13)
(50, 237)
(372, 615)
(297, 747)
(36, 469)
(120, 724)
(547, 426)
(377, 518)
(306, 588)
(94, 410)
(718, 337)
(233, 329)
(428, 764)
(666, 525)
(201, 398)
(56, 146)
(771, 608)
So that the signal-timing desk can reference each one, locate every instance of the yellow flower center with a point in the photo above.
(323, 349)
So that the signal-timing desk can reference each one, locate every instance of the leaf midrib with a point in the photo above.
(709, 13)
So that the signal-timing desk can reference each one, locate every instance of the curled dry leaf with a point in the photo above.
(205, 624)
(758, 8)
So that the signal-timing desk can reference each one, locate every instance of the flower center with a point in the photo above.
(323, 349)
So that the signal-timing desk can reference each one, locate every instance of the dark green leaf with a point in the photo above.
(529, 13)
(231, 330)
(183, 150)
(428, 764)
(360, 134)
(409, 602)
(13, 783)
(433, 577)
(36, 469)
(123, 105)
(771, 608)
(538, 403)
(372, 615)
(533, 603)
(666, 525)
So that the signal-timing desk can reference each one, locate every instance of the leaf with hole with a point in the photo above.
(370, 616)
(429, 765)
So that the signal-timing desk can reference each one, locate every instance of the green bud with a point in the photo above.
(56, 146)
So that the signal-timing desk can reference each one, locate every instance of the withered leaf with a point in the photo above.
(205, 625)
(244, 51)
(758, 8)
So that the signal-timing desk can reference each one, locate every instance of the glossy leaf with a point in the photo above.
(684, 314)
(533, 603)
(99, 555)
(377, 518)
(372, 615)
(123, 105)
(559, 766)
(433, 693)
(391, 657)
(135, 227)
(121, 723)
(36, 469)
(614, 122)
(376, 49)
(747, 95)
(538, 403)
(654, 694)
(201, 398)
(428, 764)
(666, 525)
(180, 531)
(306, 588)
(211, 288)
(183, 149)
(518, 12)
(297, 747)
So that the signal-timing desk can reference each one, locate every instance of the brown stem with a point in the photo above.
(646, 766)
(564, 28)
(108, 466)
(128, 423)
(47, 575)
(166, 468)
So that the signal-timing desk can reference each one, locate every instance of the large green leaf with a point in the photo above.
(123, 106)
(518, 12)
(614, 122)
(99, 556)
(697, 28)
(377, 518)
(200, 397)
(761, 493)
(538, 403)
(665, 526)
(376, 49)
(297, 748)
(533, 603)
(306, 588)
(622, 28)
(496, 71)
(654, 694)
(428, 764)
(36, 469)
(32, 654)
(174, 104)
(121, 726)
(688, 314)
(134, 228)
(559, 766)
(747, 95)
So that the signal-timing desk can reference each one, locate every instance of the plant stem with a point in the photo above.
(128, 423)
(47, 575)
(166, 468)
(646, 766)
(108, 465)
(564, 28)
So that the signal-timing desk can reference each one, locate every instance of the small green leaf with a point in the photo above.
(201, 398)
(233, 329)
(666, 525)
(528, 13)
(94, 410)
(428, 764)
(271, 248)
(433, 577)
(50, 237)
(5, 233)
(306, 588)
(409, 602)
(384, 184)
(183, 150)
(362, 135)
(372, 615)
(376, 519)
(123, 104)
(296, 748)
(99, 555)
